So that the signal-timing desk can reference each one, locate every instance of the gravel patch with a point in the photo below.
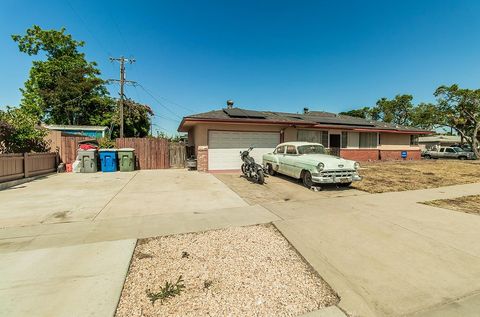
(243, 271)
(467, 204)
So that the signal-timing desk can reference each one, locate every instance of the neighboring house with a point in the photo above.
(430, 142)
(219, 135)
(85, 130)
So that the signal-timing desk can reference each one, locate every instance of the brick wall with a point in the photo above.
(202, 158)
(375, 154)
(389, 155)
(359, 154)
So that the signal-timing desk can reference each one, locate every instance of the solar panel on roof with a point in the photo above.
(343, 121)
(241, 113)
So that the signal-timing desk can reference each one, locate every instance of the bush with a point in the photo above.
(106, 143)
(20, 132)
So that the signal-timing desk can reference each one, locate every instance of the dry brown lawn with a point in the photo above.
(243, 271)
(381, 177)
(468, 204)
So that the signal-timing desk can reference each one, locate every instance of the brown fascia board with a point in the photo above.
(240, 121)
(296, 123)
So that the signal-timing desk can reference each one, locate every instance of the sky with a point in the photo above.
(191, 56)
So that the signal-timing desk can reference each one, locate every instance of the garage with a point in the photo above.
(224, 147)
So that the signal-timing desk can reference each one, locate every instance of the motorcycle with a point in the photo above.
(250, 168)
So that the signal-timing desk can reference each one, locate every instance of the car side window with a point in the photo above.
(291, 149)
(442, 150)
(449, 150)
(280, 150)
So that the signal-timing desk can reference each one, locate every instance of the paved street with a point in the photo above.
(67, 239)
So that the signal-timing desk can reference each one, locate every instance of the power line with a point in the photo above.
(159, 102)
(119, 32)
(175, 103)
(167, 118)
(88, 29)
(65, 102)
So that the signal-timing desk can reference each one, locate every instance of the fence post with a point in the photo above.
(25, 165)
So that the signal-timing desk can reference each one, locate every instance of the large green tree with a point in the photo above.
(460, 109)
(399, 110)
(358, 113)
(137, 120)
(396, 111)
(425, 116)
(63, 87)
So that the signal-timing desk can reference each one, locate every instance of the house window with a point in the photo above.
(344, 139)
(413, 139)
(368, 140)
(313, 136)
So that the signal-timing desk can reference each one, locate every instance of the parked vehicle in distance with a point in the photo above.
(250, 168)
(449, 153)
(309, 162)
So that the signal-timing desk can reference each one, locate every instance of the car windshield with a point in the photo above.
(311, 149)
(458, 149)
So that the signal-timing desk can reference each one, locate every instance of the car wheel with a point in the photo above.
(307, 179)
(427, 157)
(270, 169)
(462, 158)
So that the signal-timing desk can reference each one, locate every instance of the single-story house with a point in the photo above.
(92, 131)
(218, 136)
(429, 142)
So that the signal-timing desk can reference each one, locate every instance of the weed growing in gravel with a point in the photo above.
(185, 254)
(167, 291)
(207, 284)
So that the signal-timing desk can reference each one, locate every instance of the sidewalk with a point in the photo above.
(385, 254)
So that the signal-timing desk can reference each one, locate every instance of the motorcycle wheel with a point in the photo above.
(259, 177)
(244, 169)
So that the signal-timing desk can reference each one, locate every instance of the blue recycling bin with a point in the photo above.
(108, 160)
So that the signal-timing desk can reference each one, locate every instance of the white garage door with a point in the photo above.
(224, 147)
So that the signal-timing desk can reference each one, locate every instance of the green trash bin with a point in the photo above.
(88, 161)
(126, 159)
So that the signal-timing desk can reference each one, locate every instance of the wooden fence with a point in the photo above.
(68, 148)
(17, 165)
(150, 153)
(65, 145)
(178, 155)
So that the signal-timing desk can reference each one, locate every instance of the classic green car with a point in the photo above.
(309, 162)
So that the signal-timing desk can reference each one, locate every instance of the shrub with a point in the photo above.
(20, 132)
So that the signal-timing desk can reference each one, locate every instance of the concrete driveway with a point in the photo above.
(66, 240)
(385, 254)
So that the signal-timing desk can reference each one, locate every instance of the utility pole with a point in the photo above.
(122, 82)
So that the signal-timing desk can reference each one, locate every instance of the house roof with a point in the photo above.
(314, 119)
(62, 127)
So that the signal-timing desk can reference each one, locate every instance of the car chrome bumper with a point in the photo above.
(335, 179)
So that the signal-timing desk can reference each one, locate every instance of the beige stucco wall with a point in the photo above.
(290, 134)
(395, 141)
(200, 131)
(198, 135)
